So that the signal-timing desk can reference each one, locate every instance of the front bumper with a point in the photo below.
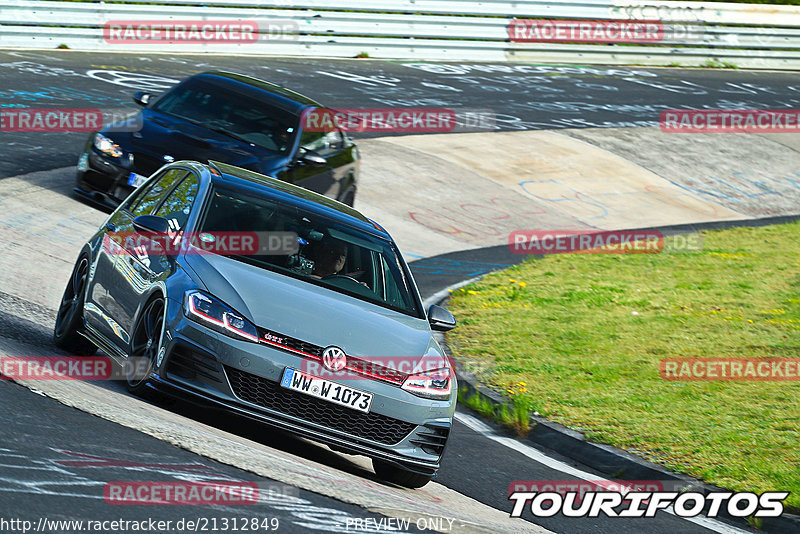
(241, 377)
(103, 180)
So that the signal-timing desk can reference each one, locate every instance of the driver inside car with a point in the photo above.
(329, 258)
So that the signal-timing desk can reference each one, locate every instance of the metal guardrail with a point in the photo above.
(746, 35)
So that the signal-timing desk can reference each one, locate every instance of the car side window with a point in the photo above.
(178, 204)
(137, 194)
(393, 294)
(147, 201)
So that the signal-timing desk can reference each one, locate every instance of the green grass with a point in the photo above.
(515, 414)
(580, 337)
(715, 63)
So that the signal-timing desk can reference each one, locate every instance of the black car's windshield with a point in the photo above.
(231, 113)
(326, 253)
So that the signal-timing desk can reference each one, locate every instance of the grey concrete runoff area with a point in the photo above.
(575, 148)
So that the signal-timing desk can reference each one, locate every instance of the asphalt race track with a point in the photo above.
(522, 97)
(62, 442)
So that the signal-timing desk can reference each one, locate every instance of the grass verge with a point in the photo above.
(580, 338)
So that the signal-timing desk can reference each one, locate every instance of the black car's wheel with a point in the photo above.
(399, 476)
(69, 319)
(145, 344)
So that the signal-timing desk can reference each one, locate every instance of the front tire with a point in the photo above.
(69, 319)
(399, 476)
(145, 345)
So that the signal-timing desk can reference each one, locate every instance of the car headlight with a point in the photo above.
(434, 384)
(213, 313)
(107, 146)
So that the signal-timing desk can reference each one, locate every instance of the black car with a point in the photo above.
(224, 117)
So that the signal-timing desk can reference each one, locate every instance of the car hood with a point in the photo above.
(158, 135)
(311, 313)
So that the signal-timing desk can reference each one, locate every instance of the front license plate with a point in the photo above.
(136, 179)
(326, 390)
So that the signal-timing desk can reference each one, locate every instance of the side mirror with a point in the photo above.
(441, 319)
(311, 157)
(151, 224)
(142, 98)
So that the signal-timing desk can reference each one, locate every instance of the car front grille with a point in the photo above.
(145, 164)
(270, 395)
(289, 343)
(357, 365)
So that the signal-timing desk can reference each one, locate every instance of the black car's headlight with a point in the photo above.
(434, 384)
(107, 146)
(216, 315)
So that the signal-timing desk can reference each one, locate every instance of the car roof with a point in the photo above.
(238, 178)
(285, 98)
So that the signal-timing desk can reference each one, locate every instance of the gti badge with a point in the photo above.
(333, 358)
(168, 158)
(267, 337)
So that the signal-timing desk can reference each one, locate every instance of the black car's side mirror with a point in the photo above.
(142, 98)
(441, 319)
(311, 157)
(151, 224)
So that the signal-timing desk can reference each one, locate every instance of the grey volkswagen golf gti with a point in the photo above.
(255, 296)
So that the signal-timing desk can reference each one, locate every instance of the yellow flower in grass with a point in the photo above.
(522, 284)
(512, 281)
(471, 292)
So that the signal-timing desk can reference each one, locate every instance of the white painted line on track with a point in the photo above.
(534, 454)
(440, 295)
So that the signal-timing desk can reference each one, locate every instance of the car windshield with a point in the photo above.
(322, 251)
(231, 113)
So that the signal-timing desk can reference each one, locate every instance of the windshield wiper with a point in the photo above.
(218, 130)
(229, 134)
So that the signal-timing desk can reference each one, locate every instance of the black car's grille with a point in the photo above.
(270, 395)
(97, 180)
(146, 164)
(357, 365)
